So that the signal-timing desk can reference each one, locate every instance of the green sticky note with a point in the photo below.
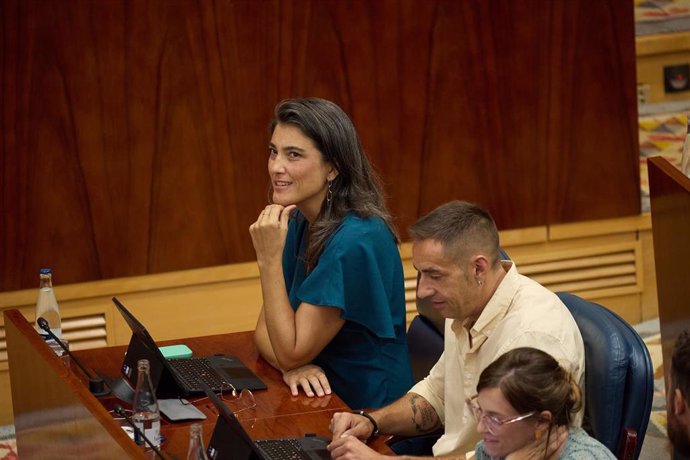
(176, 351)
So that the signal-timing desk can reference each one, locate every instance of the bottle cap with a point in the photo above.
(45, 271)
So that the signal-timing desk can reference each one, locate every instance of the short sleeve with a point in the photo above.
(359, 271)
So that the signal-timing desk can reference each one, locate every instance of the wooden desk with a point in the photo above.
(670, 201)
(57, 417)
(274, 401)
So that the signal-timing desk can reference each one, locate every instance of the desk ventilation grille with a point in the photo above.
(411, 296)
(3, 345)
(585, 273)
(591, 273)
(83, 332)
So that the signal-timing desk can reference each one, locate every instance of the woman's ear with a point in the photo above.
(542, 424)
(544, 419)
(332, 174)
(679, 407)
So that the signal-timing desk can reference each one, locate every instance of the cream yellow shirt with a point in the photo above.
(521, 313)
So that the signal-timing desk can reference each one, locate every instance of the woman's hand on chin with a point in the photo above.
(310, 377)
(269, 231)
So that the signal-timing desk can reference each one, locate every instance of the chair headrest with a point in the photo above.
(618, 372)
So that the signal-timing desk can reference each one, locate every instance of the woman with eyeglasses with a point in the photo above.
(524, 399)
(333, 313)
(524, 408)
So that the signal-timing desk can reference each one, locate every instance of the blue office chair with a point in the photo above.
(619, 379)
(425, 345)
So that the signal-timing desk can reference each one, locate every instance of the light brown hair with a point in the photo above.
(532, 380)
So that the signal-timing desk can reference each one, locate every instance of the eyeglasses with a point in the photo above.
(493, 424)
(238, 401)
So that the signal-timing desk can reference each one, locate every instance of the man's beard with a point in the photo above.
(678, 434)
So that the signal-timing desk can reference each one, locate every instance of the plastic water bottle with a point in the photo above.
(146, 415)
(196, 449)
(47, 306)
(685, 158)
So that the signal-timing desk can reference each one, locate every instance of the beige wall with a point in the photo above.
(654, 52)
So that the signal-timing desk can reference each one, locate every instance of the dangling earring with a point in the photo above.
(329, 193)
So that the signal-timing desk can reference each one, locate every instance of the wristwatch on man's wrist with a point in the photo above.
(375, 432)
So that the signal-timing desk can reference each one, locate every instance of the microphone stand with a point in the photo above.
(96, 384)
(121, 412)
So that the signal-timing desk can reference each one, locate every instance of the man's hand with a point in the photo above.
(350, 448)
(310, 377)
(345, 424)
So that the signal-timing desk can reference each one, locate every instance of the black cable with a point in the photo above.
(96, 384)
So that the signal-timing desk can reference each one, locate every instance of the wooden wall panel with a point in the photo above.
(537, 109)
(594, 156)
(134, 133)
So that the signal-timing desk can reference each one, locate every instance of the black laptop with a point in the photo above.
(230, 441)
(182, 377)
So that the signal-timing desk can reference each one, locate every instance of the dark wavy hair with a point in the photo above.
(356, 189)
(532, 380)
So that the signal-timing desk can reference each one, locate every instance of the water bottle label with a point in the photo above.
(137, 433)
(151, 429)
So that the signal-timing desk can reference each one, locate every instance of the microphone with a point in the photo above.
(121, 412)
(96, 384)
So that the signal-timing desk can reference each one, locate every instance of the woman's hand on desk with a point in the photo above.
(310, 377)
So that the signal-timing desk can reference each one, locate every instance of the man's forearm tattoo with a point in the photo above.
(424, 416)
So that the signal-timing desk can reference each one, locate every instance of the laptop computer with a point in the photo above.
(181, 377)
(230, 441)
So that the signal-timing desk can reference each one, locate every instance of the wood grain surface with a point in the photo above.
(134, 134)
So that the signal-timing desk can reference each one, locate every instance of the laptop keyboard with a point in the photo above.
(195, 369)
(282, 449)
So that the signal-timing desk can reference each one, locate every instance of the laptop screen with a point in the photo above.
(141, 346)
(168, 383)
(229, 440)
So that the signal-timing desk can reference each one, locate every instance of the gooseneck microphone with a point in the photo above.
(96, 384)
(121, 412)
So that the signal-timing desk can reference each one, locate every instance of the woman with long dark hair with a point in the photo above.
(333, 313)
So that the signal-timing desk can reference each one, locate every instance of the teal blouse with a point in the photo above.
(360, 272)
